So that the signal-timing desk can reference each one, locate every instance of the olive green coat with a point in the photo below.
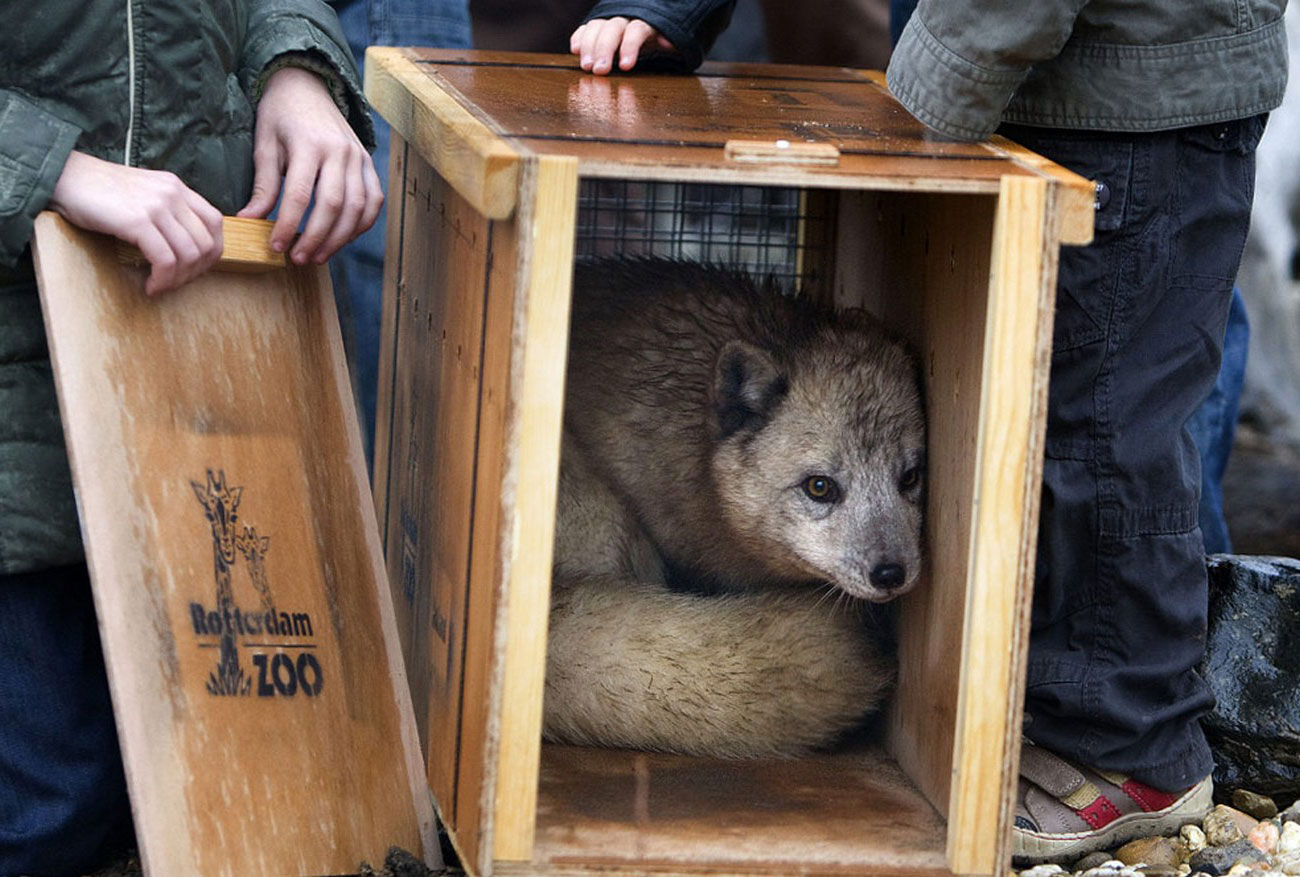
(965, 66)
(152, 83)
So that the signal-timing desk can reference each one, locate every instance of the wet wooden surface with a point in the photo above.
(250, 643)
(931, 224)
(844, 812)
(660, 124)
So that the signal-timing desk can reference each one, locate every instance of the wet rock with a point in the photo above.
(1158, 871)
(1252, 660)
(1218, 860)
(1043, 871)
(1289, 839)
(1223, 826)
(1193, 838)
(1292, 813)
(1287, 863)
(1111, 868)
(1148, 851)
(1096, 860)
(1264, 837)
(1106, 868)
(399, 863)
(1259, 806)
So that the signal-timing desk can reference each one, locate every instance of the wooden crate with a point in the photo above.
(954, 244)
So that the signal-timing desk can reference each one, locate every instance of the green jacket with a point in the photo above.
(964, 66)
(162, 84)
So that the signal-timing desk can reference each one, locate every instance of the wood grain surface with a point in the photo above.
(264, 717)
(953, 244)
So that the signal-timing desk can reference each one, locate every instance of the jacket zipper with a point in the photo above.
(127, 156)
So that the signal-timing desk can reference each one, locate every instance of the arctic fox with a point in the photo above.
(737, 464)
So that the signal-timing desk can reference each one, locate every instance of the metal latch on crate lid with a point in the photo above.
(781, 152)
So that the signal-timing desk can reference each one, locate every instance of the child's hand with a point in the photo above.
(176, 230)
(302, 137)
(596, 42)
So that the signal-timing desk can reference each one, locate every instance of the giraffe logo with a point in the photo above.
(221, 507)
(278, 674)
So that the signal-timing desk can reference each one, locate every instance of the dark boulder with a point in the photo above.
(1253, 666)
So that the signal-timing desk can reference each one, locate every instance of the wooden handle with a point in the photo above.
(781, 152)
(247, 247)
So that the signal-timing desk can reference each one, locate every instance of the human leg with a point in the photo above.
(1214, 423)
(357, 271)
(63, 802)
(1120, 596)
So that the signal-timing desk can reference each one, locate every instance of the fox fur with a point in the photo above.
(739, 468)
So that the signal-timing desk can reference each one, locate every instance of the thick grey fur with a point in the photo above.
(703, 601)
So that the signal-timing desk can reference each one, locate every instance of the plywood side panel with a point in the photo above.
(923, 265)
(440, 359)
(1017, 368)
(235, 561)
(548, 208)
(387, 371)
(478, 163)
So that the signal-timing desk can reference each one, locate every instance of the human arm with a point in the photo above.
(597, 41)
(958, 62)
(302, 139)
(313, 129)
(176, 230)
(683, 28)
(34, 145)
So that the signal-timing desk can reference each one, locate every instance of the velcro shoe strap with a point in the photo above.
(1051, 773)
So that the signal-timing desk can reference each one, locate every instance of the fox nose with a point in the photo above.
(888, 576)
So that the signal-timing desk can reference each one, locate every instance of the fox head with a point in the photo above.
(819, 456)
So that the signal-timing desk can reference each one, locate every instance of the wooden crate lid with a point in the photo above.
(238, 579)
(474, 114)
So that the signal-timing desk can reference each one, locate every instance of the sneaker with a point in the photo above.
(1065, 811)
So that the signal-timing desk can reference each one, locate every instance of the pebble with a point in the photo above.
(1287, 863)
(1043, 871)
(1289, 840)
(1110, 868)
(1264, 837)
(1099, 859)
(1224, 825)
(1220, 859)
(1259, 806)
(1193, 837)
(1292, 813)
(1149, 851)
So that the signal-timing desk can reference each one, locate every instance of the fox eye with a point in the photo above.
(819, 488)
(911, 478)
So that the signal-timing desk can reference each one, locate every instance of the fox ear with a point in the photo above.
(747, 386)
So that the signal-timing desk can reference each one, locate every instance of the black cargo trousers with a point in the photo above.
(1120, 597)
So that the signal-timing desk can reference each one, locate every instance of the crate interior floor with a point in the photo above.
(843, 811)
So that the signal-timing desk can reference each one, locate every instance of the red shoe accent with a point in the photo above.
(1150, 799)
(1099, 813)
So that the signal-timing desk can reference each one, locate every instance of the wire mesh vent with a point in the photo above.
(766, 231)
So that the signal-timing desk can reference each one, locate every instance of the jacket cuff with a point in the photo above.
(287, 39)
(945, 91)
(690, 27)
(313, 63)
(34, 147)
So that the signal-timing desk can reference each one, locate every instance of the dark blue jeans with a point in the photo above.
(1214, 425)
(63, 803)
(1120, 598)
(357, 270)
